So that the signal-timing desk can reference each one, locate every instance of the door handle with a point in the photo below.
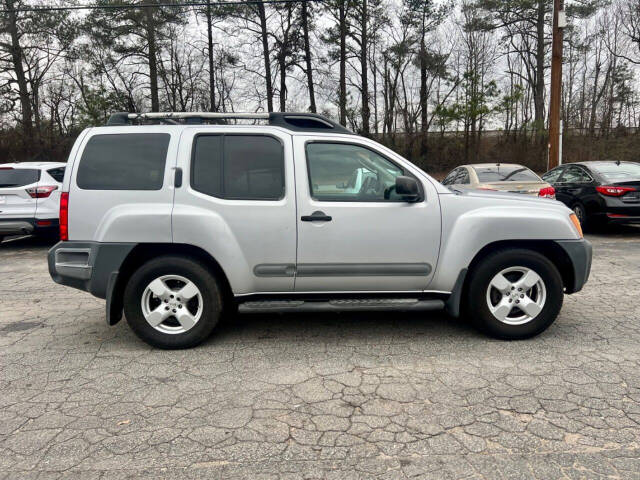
(316, 216)
(177, 179)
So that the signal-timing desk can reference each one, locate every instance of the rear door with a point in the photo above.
(15, 200)
(354, 232)
(574, 186)
(237, 203)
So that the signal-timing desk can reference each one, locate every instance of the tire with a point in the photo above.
(581, 213)
(152, 293)
(543, 300)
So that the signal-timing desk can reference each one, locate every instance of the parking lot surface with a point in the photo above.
(320, 396)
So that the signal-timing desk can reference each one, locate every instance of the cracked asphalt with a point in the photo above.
(320, 396)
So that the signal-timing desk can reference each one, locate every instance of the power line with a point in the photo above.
(153, 5)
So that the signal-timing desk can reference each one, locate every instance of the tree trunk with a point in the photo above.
(342, 101)
(366, 113)
(152, 57)
(424, 118)
(16, 59)
(265, 53)
(539, 87)
(283, 77)
(307, 57)
(212, 81)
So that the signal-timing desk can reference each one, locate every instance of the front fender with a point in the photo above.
(467, 230)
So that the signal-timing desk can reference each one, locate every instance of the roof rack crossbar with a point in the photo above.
(299, 122)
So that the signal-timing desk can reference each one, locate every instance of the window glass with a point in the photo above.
(206, 166)
(349, 173)
(613, 172)
(574, 175)
(553, 175)
(18, 177)
(511, 173)
(127, 161)
(463, 177)
(249, 167)
(57, 174)
(449, 179)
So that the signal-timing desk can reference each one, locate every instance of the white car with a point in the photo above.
(30, 198)
(177, 224)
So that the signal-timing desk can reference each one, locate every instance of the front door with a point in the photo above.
(354, 232)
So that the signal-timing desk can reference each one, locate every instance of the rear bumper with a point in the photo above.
(17, 226)
(88, 266)
(27, 226)
(580, 253)
(618, 218)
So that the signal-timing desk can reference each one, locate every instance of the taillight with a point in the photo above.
(547, 192)
(64, 216)
(614, 191)
(41, 192)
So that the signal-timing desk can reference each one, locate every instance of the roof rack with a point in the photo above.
(297, 122)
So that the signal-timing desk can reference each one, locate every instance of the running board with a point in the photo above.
(342, 305)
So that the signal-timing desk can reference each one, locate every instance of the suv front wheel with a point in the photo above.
(172, 302)
(514, 294)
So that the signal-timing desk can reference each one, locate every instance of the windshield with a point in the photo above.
(613, 172)
(18, 177)
(505, 174)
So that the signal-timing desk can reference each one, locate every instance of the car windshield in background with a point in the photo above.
(18, 177)
(505, 174)
(613, 172)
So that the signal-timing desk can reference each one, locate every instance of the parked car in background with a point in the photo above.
(30, 197)
(599, 192)
(503, 177)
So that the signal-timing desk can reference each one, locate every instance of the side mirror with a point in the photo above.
(408, 188)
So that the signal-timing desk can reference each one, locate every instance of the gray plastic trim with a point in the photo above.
(363, 269)
(342, 270)
(275, 270)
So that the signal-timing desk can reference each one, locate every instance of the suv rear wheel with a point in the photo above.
(172, 302)
(514, 294)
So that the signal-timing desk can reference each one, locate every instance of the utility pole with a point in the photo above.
(559, 22)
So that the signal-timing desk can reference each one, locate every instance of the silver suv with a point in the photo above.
(182, 222)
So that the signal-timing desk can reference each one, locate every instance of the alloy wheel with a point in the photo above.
(516, 295)
(172, 304)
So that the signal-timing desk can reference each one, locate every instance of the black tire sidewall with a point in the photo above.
(498, 261)
(585, 219)
(173, 265)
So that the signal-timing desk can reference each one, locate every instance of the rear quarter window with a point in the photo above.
(128, 161)
(57, 174)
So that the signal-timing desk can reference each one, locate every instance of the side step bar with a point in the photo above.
(342, 305)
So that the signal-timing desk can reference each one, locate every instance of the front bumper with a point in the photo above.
(580, 253)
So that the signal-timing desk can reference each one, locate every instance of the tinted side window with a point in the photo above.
(128, 161)
(575, 175)
(553, 175)
(57, 174)
(238, 167)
